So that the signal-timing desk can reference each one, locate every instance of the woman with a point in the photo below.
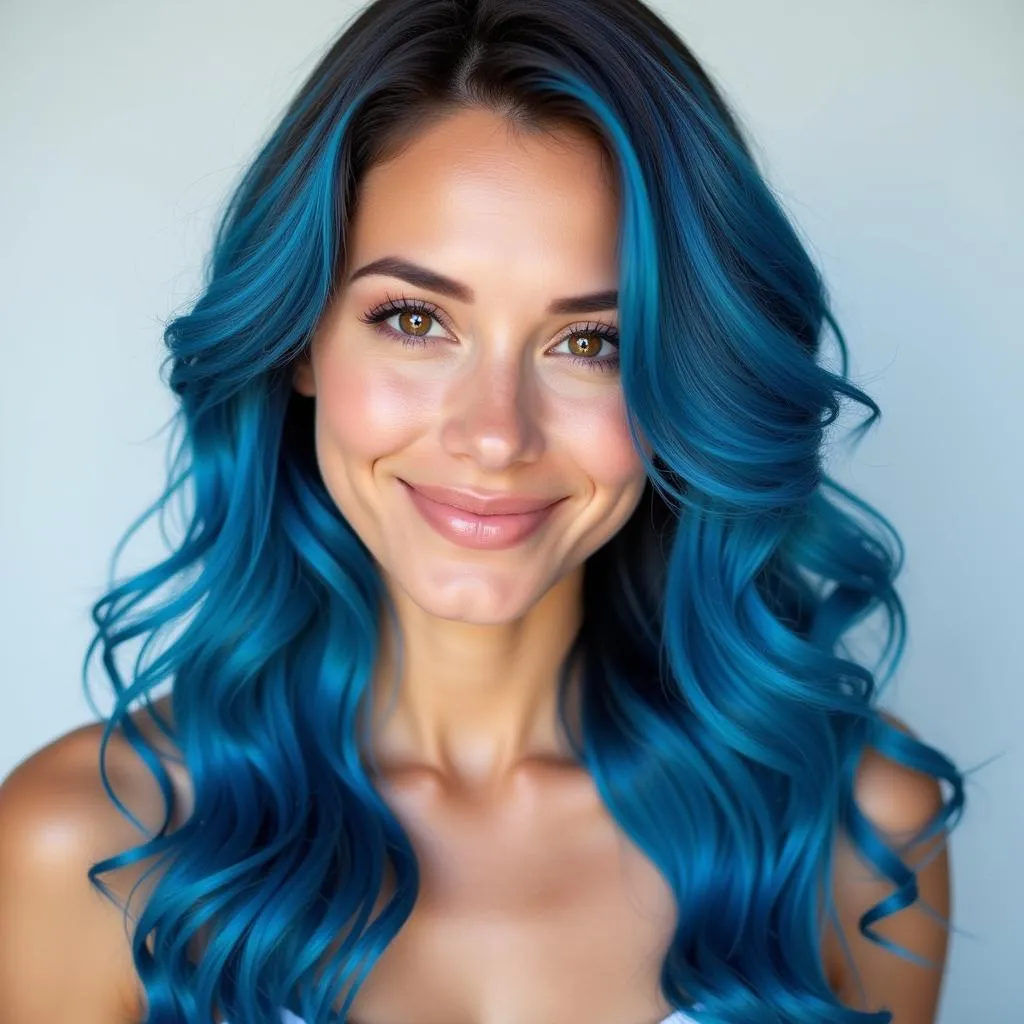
(508, 681)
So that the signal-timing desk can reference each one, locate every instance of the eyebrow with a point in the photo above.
(423, 277)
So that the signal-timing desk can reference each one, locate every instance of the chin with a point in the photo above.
(478, 595)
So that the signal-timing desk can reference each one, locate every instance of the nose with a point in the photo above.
(493, 414)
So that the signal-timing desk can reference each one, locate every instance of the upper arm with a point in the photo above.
(64, 952)
(898, 801)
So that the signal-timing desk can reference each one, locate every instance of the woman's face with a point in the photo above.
(481, 376)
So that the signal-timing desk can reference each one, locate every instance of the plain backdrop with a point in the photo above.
(891, 130)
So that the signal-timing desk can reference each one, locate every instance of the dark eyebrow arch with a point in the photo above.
(423, 277)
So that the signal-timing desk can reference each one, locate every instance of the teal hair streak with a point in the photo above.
(722, 716)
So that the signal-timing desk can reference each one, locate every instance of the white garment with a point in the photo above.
(287, 1017)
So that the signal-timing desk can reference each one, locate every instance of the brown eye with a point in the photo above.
(585, 344)
(595, 346)
(414, 322)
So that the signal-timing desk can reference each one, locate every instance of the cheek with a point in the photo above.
(595, 433)
(365, 410)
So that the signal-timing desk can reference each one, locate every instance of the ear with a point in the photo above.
(302, 375)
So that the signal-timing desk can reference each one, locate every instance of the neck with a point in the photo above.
(474, 702)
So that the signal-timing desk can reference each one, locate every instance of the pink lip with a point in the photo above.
(492, 521)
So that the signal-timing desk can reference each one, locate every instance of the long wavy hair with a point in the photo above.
(722, 715)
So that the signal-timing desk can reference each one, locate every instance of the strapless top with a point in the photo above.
(287, 1017)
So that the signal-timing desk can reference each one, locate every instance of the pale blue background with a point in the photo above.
(893, 133)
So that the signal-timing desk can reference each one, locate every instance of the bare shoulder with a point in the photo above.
(899, 802)
(66, 946)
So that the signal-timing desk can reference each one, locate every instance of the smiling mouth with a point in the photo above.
(502, 520)
(482, 503)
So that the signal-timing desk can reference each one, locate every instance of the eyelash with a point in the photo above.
(387, 309)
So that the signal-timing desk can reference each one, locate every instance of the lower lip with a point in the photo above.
(473, 531)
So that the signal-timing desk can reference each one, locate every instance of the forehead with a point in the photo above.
(474, 197)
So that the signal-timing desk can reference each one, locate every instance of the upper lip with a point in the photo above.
(483, 503)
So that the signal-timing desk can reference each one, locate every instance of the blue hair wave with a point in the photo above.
(722, 718)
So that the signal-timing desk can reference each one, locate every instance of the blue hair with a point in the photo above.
(722, 717)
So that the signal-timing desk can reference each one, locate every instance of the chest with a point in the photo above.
(532, 910)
